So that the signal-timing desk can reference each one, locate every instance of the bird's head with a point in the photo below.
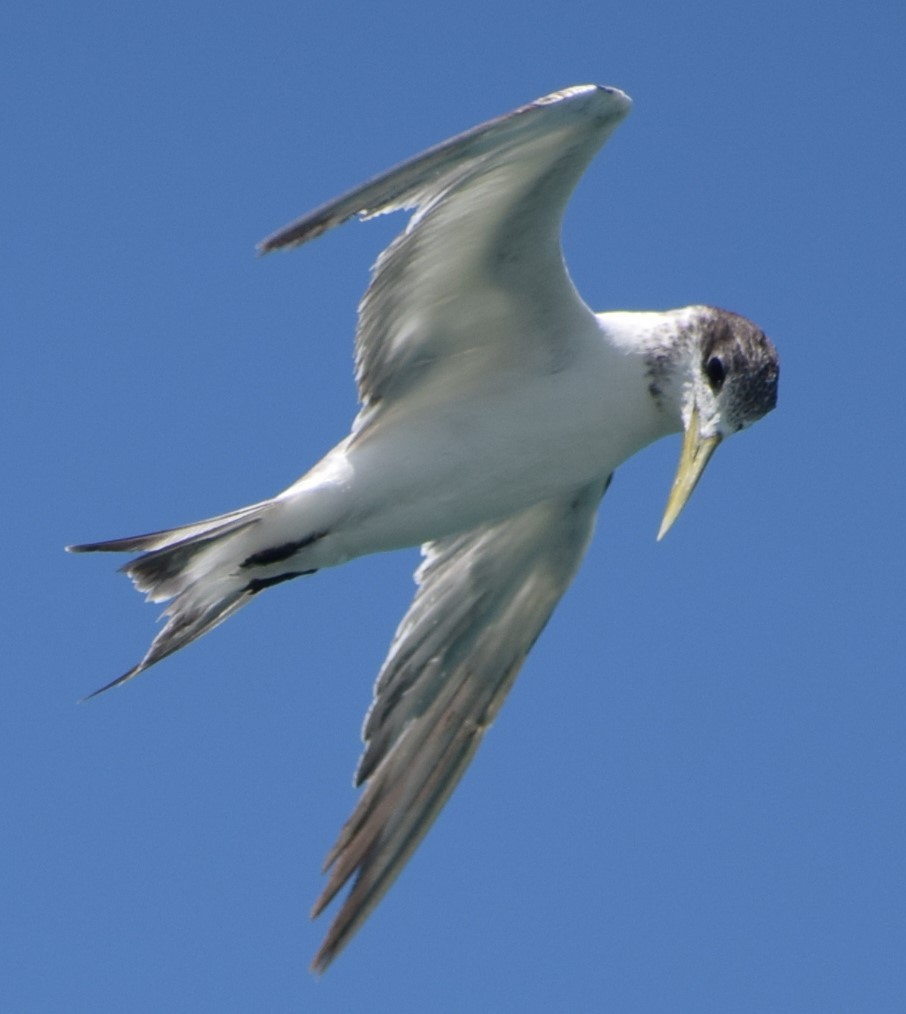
(730, 381)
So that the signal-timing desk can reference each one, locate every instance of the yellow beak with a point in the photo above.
(696, 453)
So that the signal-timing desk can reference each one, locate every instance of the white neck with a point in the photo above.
(649, 363)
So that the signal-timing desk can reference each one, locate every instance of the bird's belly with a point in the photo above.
(425, 472)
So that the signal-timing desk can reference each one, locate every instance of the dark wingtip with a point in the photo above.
(321, 961)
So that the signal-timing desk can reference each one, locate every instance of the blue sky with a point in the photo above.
(693, 800)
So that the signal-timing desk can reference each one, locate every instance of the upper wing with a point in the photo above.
(484, 596)
(477, 278)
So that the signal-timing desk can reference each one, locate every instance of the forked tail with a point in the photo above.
(198, 567)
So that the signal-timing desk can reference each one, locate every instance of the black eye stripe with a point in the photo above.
(715, 372)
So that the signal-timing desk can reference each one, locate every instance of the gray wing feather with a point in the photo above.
(483, 599)
(489, 204)
(411, 182)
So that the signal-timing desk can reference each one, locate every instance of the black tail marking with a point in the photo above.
(154, 569)
(258, 584)
(276, 554)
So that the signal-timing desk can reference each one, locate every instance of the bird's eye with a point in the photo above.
(715, 372)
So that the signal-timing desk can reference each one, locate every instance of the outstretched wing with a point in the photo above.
(477, 278)
(484, 596)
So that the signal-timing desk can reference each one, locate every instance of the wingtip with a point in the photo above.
(320, 963)
(328, 950)
(268, 245)
(317, 967)
(326, 954)
(615, 98)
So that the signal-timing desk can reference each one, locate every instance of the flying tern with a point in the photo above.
(495, 406)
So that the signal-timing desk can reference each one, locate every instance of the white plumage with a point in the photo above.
(495, 407)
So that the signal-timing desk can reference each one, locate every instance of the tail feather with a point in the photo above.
(209, 528)
(198, 568)
(163, 573)
(186, 622)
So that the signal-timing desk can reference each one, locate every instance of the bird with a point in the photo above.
(494, 408)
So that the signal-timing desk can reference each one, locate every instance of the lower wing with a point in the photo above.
(484, 597)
